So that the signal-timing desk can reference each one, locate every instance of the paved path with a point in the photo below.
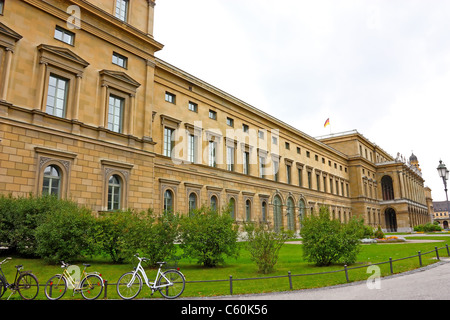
(428, 283)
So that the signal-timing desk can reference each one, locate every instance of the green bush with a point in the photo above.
(19, 218)
(209, 236)
(326, 241)
(66, 233)
(264, 245)
(428, 227)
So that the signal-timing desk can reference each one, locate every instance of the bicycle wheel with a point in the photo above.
(127, 287)
(2, 287)
(91, 287)
(56, 287)
(28, 286)
(178, 282)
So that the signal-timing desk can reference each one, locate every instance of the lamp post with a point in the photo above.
(443, 173)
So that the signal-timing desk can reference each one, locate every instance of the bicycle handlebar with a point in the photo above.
(5, 261)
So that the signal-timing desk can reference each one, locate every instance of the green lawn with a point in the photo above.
(291, 259)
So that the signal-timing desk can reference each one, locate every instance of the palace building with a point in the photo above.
(89, 113)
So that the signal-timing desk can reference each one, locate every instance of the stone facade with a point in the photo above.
(87, 112)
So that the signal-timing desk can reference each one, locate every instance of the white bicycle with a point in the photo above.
(169, 283)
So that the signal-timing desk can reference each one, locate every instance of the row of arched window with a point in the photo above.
(52, 182)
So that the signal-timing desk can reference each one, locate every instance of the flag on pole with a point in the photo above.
(327, 123)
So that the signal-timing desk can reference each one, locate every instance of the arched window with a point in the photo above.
(232, 208)
(192, 202)
(264, 211)
(214, 203)
(114, 193)
(387, 188)
(301, 211)
(277, 219)
(168, 200)
(52, 181)
(290, 214)
(248, 210)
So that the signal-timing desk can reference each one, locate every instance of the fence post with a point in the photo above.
(420, 259)
(448, 252)
(437, 253)
(346, 273)
(290, 280)
(231, 285)
(390, 262)
(105, 285)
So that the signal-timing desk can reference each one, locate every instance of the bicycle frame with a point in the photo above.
(12, 286)
(151, 285)
(74, 283)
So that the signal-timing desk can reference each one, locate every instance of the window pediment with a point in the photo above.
(120, 80)
(62, 58)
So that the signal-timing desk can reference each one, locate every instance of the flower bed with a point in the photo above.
(391, 239)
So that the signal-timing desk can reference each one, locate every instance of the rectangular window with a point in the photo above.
(276, 168)
(122, 10)
(324, 184)
(64, 35)
(57, 96)
(230, 158)
(193, 106)
(230, 122)
(170, 97)
(300, 179)
(246, 162)
(169, 141)
(274, 140)
(212, 154)
(212, 115)
(261, 167)
(245, 128)
(261, 134)
(119, 60)
(288, 174)
(115, 113)
(287, 146)
(192, 147)
(318, 182)
(2, 5)
(309, 180)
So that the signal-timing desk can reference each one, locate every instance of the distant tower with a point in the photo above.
(414, 162)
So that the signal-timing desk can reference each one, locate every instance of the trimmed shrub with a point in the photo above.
(326, 241)
(209, 236)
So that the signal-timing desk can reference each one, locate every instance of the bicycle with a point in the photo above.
(90, 286)
(25, 283)
(170, 283)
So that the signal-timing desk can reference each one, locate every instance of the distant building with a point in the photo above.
(441, 214)
(89, 113)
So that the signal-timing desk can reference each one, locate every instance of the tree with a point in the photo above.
(326, 241)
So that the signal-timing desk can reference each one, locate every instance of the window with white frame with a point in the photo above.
(169, 141)
(192, 148)
(57, 96)
(64, 35)
(119, 60)
(52, 181)
(115, 113)
(114, 193)
(212, 148)
(122, 10)
(230, 158)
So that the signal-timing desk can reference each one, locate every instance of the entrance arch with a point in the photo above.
(391, 220)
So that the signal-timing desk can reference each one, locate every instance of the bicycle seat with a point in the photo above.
(161, 263)
(86, 265)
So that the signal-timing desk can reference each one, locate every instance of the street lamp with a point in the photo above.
(443, 173)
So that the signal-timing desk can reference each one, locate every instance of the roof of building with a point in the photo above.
(440, 206)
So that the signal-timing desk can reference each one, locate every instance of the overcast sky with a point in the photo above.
(380, 67)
